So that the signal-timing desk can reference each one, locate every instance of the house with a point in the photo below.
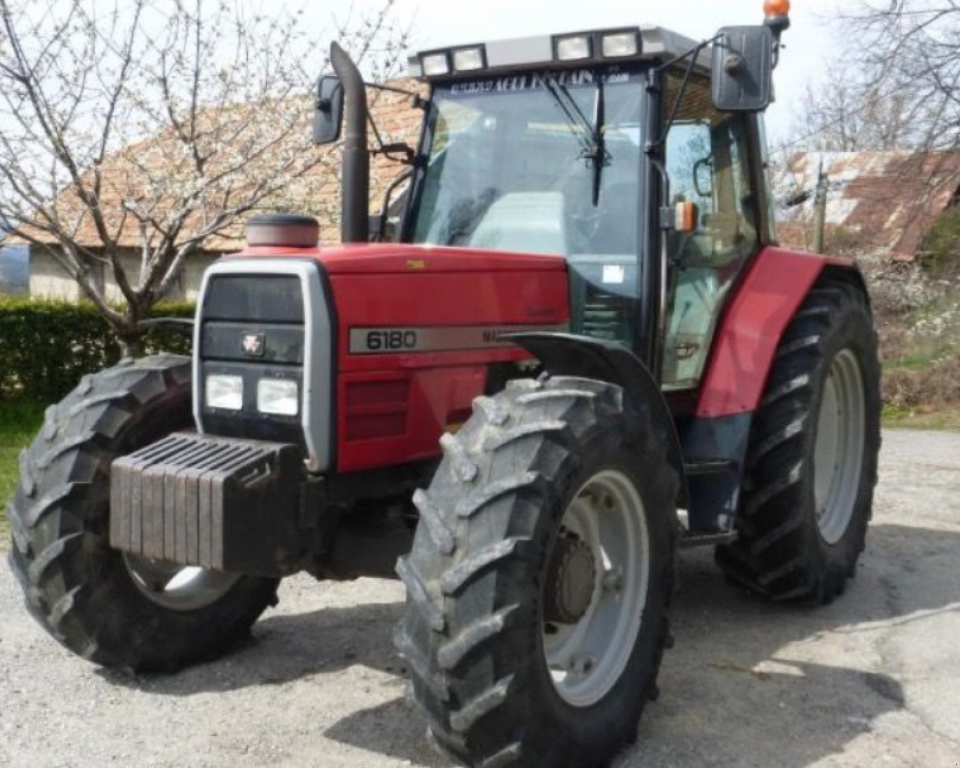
(316, 193)
(879, 202)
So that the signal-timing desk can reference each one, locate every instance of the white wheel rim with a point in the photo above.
(839, 451)
(587, 659)
(176, 587)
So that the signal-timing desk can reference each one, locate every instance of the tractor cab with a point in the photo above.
(637, 155)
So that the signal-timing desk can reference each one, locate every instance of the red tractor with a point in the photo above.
(576, 348)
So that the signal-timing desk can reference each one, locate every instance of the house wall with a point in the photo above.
(48, 279)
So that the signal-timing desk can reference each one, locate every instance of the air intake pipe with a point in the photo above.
(355, 180)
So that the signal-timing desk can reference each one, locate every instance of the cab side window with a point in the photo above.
(707, 159)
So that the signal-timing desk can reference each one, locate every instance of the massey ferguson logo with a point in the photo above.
(253, 344)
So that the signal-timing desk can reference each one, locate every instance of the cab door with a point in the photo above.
(709, 164)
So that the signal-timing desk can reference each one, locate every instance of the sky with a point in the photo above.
(438, 23)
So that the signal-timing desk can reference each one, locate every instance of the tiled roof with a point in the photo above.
(886, 201)
(127, 177)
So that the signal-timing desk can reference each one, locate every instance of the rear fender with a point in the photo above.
(564, 354)
(767, 299)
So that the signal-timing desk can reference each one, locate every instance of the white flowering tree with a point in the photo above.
(153, 126)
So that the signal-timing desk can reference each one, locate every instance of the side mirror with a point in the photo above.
(703, 177)
(328, 115)
(743, 61)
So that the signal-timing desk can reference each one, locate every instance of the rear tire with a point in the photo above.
(96, 601)
(520, 483)
(812, 459)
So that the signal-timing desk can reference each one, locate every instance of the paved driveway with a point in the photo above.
(873, 680)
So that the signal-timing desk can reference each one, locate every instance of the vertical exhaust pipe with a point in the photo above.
(355, 180)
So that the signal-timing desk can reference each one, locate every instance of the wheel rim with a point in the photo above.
(176, 587)
(587, 658)
(838, 457)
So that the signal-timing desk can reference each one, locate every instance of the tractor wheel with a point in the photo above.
(541, 577)
(111, 608)
(812, 460)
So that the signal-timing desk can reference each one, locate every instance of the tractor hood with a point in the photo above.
(391, 343)
(403, 259)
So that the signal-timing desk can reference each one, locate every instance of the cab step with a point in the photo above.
(696, 467)
(693, 539)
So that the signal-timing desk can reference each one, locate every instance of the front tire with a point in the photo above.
(108, 607)
(812, 458)
(541, 577)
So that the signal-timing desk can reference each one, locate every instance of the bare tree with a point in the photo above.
(155, 126)
(912, 48)
(849, 111)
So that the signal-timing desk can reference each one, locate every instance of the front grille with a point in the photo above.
(254, 324)
(270, 298)
(269, 310)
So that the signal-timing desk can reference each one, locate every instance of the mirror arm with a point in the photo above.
(389, 150)
(387, 197)
(675, 110)
(392, 89)
(692, 53)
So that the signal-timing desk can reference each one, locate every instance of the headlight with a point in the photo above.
(278, 396)
(225, 392)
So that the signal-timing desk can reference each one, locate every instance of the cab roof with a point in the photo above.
(593, 48)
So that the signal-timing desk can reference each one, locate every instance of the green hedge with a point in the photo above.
(46, 347)
(941, 247)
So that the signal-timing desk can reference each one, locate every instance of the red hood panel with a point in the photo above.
(388, 258)
(417, 331)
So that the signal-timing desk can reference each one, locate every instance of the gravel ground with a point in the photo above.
(873, 680)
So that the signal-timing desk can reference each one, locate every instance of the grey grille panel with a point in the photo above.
(317, 390)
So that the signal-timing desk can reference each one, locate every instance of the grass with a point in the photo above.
(942, 419)
(19, 422)
(921, 370)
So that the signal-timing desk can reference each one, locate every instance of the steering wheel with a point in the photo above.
(586, 224)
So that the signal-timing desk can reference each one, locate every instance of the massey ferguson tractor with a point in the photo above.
(568, 348)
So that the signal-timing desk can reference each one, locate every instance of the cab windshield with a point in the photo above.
(544, 162)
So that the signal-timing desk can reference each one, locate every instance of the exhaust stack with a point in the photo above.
(355, 180)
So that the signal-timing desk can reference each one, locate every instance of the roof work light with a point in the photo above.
(574, 47)
(620, 44)
(435, 64)
(469, 59)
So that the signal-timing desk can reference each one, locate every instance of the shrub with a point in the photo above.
(46, 347)
(937, 386)
(941, 247)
